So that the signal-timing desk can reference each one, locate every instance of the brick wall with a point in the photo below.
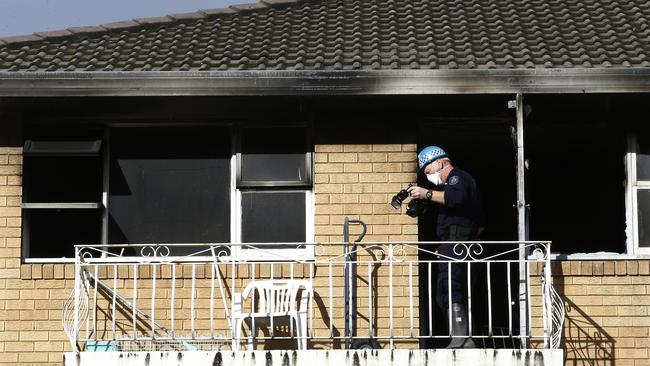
(608, 305)
(30, 310)
(351, 180)
(608, 301)
(358, 181)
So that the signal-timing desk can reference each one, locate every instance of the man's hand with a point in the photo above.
(421, 194)
(418, 193)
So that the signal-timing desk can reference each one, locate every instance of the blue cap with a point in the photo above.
(428, 155)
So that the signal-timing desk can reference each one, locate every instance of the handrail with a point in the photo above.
(164, 287)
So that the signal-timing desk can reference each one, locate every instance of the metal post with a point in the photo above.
(346, 285)
(350, 278)
(105, 185)
(524, 331)
(77, 284)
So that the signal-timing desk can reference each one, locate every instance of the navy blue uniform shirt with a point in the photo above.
(462, 203)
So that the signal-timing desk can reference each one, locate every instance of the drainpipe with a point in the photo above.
(350, 279)
(522, 221)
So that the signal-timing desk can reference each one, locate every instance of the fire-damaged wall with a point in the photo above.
(360, 160)
(355, 175)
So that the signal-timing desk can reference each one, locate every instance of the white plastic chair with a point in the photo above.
(276, 302)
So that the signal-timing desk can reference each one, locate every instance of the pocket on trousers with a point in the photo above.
(460, 233)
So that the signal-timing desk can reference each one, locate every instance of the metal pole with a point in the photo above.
(350, 278)
(105, 185)
(346, 286)
(77, 285)
(521, 224)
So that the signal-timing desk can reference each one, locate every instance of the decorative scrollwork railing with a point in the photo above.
(148, 288)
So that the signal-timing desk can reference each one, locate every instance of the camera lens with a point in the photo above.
(396, 202)
(397, 199)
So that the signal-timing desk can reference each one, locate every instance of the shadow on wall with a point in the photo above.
(585, 342)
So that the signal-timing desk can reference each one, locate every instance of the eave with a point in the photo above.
(364, 82)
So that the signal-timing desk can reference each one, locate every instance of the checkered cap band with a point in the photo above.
(430, 154)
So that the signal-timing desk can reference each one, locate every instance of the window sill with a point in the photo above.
(47, 260)
(598, 256)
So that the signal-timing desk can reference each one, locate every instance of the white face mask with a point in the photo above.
(435, 178)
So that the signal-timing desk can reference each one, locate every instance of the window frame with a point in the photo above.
(240, 252)
(309, 156)
(632, 249)
(96, 147)
(633, 186)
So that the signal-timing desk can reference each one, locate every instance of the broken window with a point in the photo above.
(576, 185)
(62, 190)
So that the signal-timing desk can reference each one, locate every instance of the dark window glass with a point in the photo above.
(52, 233)
(170, 185)
(61, 164)
(273, 217)
(274, 155)
(643, 208)
(565, 206)
(62, 148)
(62, 179)
(643, 159)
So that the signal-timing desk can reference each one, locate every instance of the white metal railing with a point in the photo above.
(181, 296)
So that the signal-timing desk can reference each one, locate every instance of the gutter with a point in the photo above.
(348, 82)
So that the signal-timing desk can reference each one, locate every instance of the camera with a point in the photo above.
(397, 200)
(415, 207)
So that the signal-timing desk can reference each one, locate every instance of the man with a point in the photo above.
(459, 216)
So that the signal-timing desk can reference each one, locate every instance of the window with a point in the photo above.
(639, 192)
(274, 195)
(62, 190)
(261, 221)
(272, 157)
(576, 186)
(170, 185)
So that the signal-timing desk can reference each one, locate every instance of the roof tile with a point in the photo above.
(54, 34)
(153, 20)
(82, 30)
(279, 2)
(21, 39)
(248, 7)
(218, 11)
(184, 16)
(121, 25)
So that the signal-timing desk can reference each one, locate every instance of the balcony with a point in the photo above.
(334, 303)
